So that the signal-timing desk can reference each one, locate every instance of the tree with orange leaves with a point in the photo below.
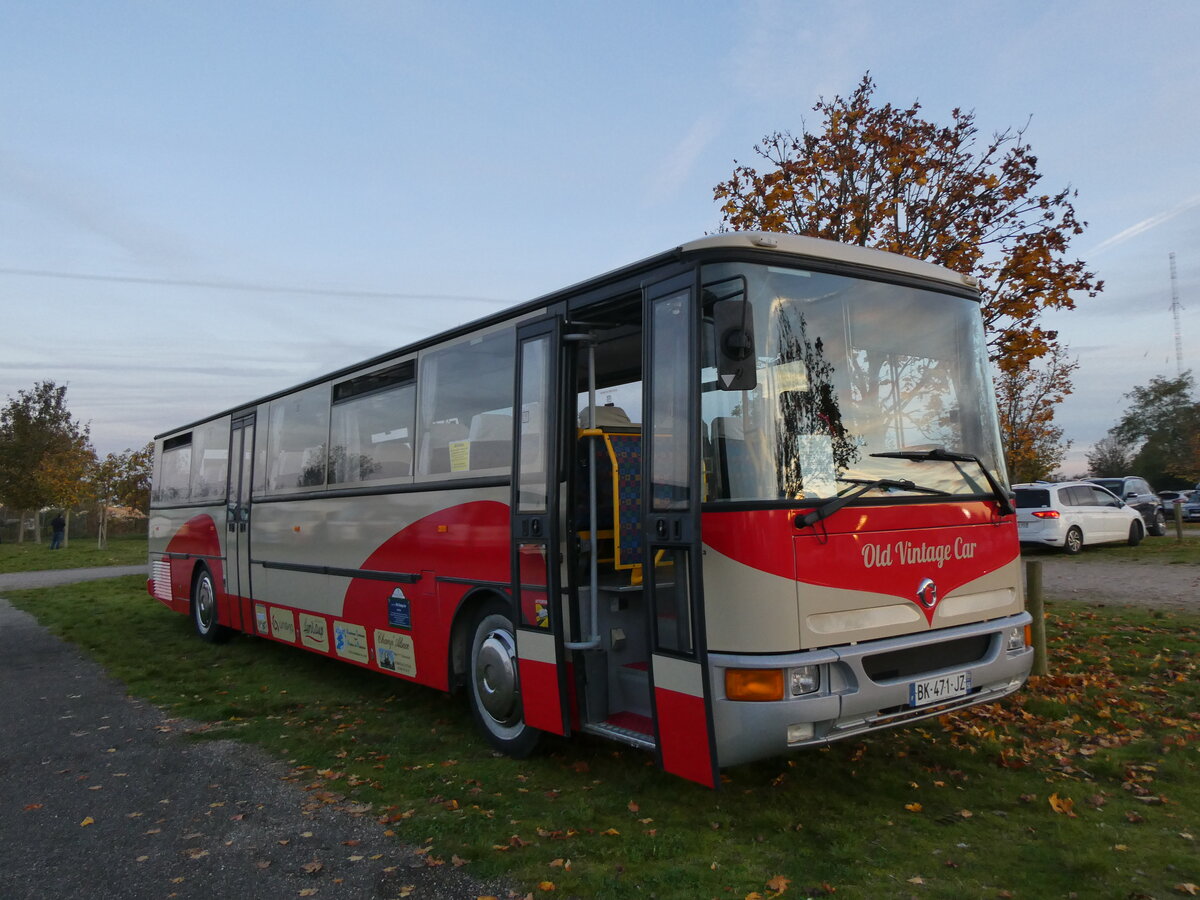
(884, 177)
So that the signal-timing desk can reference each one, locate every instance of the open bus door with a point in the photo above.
(536, 539)
(237, 516)
(671, 529)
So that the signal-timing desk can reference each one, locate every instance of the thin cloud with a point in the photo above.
(678, 165)
(1145, 225)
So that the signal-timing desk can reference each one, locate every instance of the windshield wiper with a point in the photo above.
(830, 507)
(937, 454)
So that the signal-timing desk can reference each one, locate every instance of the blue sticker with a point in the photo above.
(398, 612)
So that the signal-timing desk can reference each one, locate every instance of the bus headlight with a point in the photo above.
(1016, 638)
(759, 685)
(804, 679)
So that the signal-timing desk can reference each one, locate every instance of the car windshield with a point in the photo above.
(1113, 484)
(839, 370)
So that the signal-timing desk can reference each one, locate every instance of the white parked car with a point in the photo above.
(1073, 514)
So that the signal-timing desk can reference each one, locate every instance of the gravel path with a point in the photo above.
(1157, 585)
(102, 795)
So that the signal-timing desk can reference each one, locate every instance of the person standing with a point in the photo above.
(58, 527)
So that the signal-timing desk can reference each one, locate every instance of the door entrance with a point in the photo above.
(633, 510)
(237, 516)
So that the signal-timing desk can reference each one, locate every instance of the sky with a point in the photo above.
(202, 203)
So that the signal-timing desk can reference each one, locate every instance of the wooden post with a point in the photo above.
(1178, 521)
(1037, 609)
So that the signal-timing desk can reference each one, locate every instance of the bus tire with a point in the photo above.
(204, 609)
(493, 682)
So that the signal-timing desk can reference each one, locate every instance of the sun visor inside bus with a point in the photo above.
(733, 322)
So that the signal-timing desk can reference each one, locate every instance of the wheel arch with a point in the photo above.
(460, 630)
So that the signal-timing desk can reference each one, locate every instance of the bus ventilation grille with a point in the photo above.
(160, 573)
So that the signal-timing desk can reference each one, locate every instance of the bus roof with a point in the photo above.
(832, 251)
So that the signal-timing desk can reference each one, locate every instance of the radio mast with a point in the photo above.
(1175, 308)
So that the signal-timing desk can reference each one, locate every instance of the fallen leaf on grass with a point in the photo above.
(1063, 805)
(778, 884)
(1188, 888)
(913, 807)
(916, 879)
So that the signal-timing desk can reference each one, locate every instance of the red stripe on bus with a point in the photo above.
(683, 735)
(539, 695)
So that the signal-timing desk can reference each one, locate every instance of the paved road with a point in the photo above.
(13, 581)
(103, 796)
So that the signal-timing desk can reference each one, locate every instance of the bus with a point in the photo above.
(740, 498)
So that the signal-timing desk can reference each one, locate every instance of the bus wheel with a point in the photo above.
(204, 609)
(495, 688)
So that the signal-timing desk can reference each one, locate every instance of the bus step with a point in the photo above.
(628, 728)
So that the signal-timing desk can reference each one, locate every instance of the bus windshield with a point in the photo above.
(835, 370)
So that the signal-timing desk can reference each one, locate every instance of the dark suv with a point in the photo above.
(1136, 492)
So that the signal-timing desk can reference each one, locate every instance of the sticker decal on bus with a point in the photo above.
(314, 632)
(399, 615)
(260, 618)
(283, 624)
(395, 653)
(350, 641)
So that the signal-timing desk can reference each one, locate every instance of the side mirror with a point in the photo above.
(733, 322)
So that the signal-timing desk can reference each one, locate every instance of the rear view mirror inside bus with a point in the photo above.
(733, 323)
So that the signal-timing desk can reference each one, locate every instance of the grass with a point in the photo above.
(80, 553)
(1168, 550)
(1084, 784)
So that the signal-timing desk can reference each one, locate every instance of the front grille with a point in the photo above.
(912, 661)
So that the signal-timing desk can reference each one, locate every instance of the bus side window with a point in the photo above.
(175, 470)
(438, 442)
(371, 436)
(465, 407)
(210, 460)
(490, 435)
(299, 433)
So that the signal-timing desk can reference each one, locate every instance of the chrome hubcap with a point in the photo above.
(496, 676)
(205, 605)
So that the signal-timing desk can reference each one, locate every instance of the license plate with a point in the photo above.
(935, 690)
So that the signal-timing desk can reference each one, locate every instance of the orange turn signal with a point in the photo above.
(754, 684)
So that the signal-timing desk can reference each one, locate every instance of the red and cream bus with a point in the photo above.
(742, 497)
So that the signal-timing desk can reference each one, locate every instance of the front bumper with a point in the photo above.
(849, 701)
